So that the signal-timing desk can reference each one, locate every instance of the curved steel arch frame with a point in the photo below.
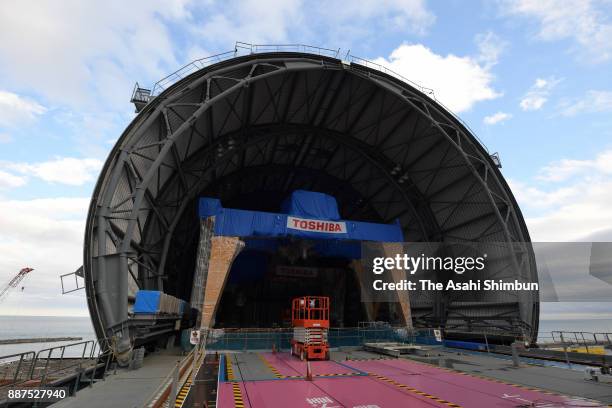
(404, 153)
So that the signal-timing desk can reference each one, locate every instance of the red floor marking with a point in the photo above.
(324, 393)
(394, 383)
(368, 392)
(280, 364)
(225, 396)
(461, 389)
(289, 365)
(288, 393)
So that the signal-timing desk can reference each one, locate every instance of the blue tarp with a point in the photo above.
(324, 248)
(210, 206)
(147, 301)
(309, 204)
(244, 223)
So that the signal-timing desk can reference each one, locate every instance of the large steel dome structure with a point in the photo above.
(252, 128)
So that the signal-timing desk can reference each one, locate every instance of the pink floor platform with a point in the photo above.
(389, 383)
(288, 365)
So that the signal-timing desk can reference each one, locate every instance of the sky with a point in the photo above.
(532, 79)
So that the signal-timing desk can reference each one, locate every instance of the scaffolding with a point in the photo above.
(201, 271)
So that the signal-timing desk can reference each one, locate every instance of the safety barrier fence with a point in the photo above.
(262, 339)
(240, 48)
(577, 341)
(166, 392)
(52, 364)
(144, 95)
(559, 344)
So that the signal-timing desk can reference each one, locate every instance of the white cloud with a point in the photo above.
(47, 235)
(563, 169)
(98, 49)
(5, 138)
(496, 118)
(490, 48)
(458, 82)
(538, 94)
(15, 109)
(592, 102)
(8, 180)
(580, 215)
(84, 52)
(391, 14)
(578, 20)
(575, 311)
(252, 20)
(577, 209)
(534, 197)
(274, 21)
(63, 170)
(90, 130)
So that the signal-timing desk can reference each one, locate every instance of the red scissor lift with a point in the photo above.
(310, 321)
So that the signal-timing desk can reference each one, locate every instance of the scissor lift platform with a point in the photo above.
(310, 321)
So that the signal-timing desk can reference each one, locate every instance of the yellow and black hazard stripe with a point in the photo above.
(414, 390)
(229, 367)
(337, 375)
(184, 391)
(370, 359)
(495, 380)
(490, 379)
(238, 401)
(276, 373)
(182, 394)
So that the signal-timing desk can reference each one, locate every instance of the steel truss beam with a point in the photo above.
(226, 84)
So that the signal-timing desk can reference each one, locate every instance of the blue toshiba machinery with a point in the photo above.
(304, 249)
(303, 214)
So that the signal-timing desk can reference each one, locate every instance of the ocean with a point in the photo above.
(12, 327)
(15, 327)
(577, 325)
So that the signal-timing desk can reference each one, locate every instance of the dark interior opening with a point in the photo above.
(262, 283)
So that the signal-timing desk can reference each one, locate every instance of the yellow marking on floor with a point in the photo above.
(230, 368)
(184, 390)
(276, 373)
(182, 394)
(337, 375)
(413, 390)
(238, 401)
(495, 380)
(370, 359)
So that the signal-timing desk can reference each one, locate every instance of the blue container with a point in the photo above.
(147, 301)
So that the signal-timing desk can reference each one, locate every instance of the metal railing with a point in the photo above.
(577, 341)
(265, 339)
(303, 48)
(374, 65)
(185, 368)
(24, 362)
(49, 364)
(188, 69)
(242, 48)
(58, 354)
